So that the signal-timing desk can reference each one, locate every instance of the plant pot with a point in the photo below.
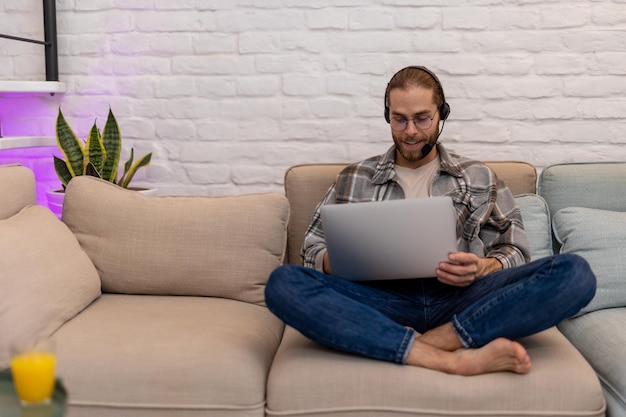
(55, 201)
(55, 198)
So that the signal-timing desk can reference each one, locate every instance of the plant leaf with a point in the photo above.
(62, 171)
(127, 165)
(141, 162)
(92, 171)
(70, 145)
(95, 154)
(112, 142)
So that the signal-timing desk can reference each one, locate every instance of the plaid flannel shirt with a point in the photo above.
(489, 222)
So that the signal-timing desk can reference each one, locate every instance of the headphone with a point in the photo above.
(444, 109)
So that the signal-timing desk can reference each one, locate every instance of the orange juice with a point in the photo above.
(33, 376)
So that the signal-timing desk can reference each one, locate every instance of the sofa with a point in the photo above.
(587, 202)
(156, 307)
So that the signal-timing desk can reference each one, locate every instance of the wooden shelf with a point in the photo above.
(15, 142)
(51, 87)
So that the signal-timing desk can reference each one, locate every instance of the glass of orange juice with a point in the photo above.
(33, 369)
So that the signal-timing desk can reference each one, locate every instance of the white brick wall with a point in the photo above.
(228, 94)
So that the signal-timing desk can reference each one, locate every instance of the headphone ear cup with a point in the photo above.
(444, 111)
(387, 118)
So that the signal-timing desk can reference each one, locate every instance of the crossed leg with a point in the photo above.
(440, 349)
(523, 300)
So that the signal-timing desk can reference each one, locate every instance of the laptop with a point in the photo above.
(396, 239)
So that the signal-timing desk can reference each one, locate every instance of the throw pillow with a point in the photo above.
(536, 217)
(46, 278)
(203, 246)
(599, 236)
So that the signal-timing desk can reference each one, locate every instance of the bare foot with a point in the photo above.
(498, 355)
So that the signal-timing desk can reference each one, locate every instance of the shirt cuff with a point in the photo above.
(319, 261)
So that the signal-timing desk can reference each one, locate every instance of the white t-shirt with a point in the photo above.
(416, 182)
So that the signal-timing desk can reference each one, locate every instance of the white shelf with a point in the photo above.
(32, 87)
(14, 142)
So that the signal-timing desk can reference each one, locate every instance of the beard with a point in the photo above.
(413, 156)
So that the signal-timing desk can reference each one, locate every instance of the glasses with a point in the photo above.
(421, 122)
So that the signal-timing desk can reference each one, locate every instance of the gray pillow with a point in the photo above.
(536, 217)
(599, 236)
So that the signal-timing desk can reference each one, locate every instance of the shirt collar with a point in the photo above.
(385, 169)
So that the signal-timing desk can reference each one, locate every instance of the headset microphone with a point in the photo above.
(429, 146)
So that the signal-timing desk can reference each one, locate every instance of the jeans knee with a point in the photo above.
(272, 287)
(278, 285)
(581, 275)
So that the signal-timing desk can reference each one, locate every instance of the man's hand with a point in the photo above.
(464, 268)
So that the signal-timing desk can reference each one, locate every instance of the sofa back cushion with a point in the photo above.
(599, 185)
(588, 203)
(536, 217)
(45, 277)
(204, 246)
(305, 186)
(599, 236)
(17, 189)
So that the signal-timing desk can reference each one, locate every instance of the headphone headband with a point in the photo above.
(444, 109)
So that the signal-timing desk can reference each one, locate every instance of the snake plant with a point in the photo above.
(98, 156)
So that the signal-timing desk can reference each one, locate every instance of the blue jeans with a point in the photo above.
(372, 318)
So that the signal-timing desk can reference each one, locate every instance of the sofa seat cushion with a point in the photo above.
(207, 356)
(601, 336)
(201, 246)
(308, 379)
(45, 277)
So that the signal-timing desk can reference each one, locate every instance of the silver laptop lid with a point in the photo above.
(395, 239)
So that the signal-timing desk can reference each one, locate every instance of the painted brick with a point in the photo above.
(228, 94)
(514, 18)
(208, 43)
(426, 18)
(560, 64)
(592, 41)
(303, 85)
(258, 86)
(247, 20)
(208, 174)
(167, 88)
(374, 19)
(254, 174)
(174, 21)
(571, 16)
(465, 18)
(326, 19)
(609, 14)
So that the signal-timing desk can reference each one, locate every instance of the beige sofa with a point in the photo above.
(157, 309)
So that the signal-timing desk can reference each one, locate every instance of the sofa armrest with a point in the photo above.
(17, 189)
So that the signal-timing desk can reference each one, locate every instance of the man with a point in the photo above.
(467, 318)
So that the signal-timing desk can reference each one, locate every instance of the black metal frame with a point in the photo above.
(49, 42)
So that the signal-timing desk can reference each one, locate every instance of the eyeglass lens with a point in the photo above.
(400, 123)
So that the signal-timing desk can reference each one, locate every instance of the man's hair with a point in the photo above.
(416, 77)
